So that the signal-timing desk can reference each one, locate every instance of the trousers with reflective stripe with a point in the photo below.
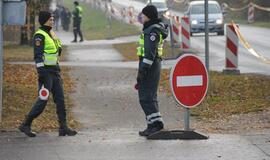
(147, 91)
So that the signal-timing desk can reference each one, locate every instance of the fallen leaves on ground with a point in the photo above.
(19, 94)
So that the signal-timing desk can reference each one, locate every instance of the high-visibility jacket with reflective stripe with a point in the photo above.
(140, 49)
(80, 10)
(51, 46)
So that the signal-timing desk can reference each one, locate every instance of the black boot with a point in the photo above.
(157, 126)
(145, 133)
(75, 36)
(81, 36)
(25, 127)
(64, 130)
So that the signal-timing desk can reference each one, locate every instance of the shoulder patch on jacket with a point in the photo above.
(153, 36)
(38, 41)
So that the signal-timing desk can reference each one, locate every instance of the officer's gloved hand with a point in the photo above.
(144, 72)
(141, 75)
(42, 74)
(139, 78)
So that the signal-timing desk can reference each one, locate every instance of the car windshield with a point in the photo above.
(199, 9)
(159, 4)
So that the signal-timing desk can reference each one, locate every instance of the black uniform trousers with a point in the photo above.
(53, 82)
(77, 28)
(148, 88)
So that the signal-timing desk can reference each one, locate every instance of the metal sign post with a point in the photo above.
(1, 59)
(186, 119)
(206, 35)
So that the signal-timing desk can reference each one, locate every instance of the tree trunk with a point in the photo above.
(33, 8)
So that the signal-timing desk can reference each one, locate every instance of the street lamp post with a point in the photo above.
(206, 35)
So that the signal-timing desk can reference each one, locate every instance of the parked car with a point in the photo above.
(196, 14)
(162, 8)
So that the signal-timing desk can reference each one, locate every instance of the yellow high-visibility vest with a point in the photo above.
(80, 10)
(140, 49)
(51, 46)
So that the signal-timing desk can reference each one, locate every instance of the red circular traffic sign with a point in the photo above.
(189, 81)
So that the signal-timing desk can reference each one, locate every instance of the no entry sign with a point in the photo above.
(189, 81)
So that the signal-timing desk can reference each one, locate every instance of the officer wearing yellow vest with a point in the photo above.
(150, 52)
(47, 49)
(77, 19)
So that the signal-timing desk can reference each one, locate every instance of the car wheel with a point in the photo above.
(191, 34)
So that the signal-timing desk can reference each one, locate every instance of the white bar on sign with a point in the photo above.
(188, 81)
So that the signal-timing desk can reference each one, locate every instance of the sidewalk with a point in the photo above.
(125, 145)
(107, 105)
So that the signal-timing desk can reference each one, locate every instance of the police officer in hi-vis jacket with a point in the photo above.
(47, 49)
(150, 52)
(77, 19)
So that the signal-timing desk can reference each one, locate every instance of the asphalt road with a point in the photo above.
(256, 36)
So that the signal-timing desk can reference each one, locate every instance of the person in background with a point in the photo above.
(77, 19)
(56, 15)
(65, 18)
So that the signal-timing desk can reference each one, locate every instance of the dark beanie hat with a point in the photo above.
(76, 3)
(43, 17)
(150, 11)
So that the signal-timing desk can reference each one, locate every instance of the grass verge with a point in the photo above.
(20, 93)
(229, 95)
(95, 24)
